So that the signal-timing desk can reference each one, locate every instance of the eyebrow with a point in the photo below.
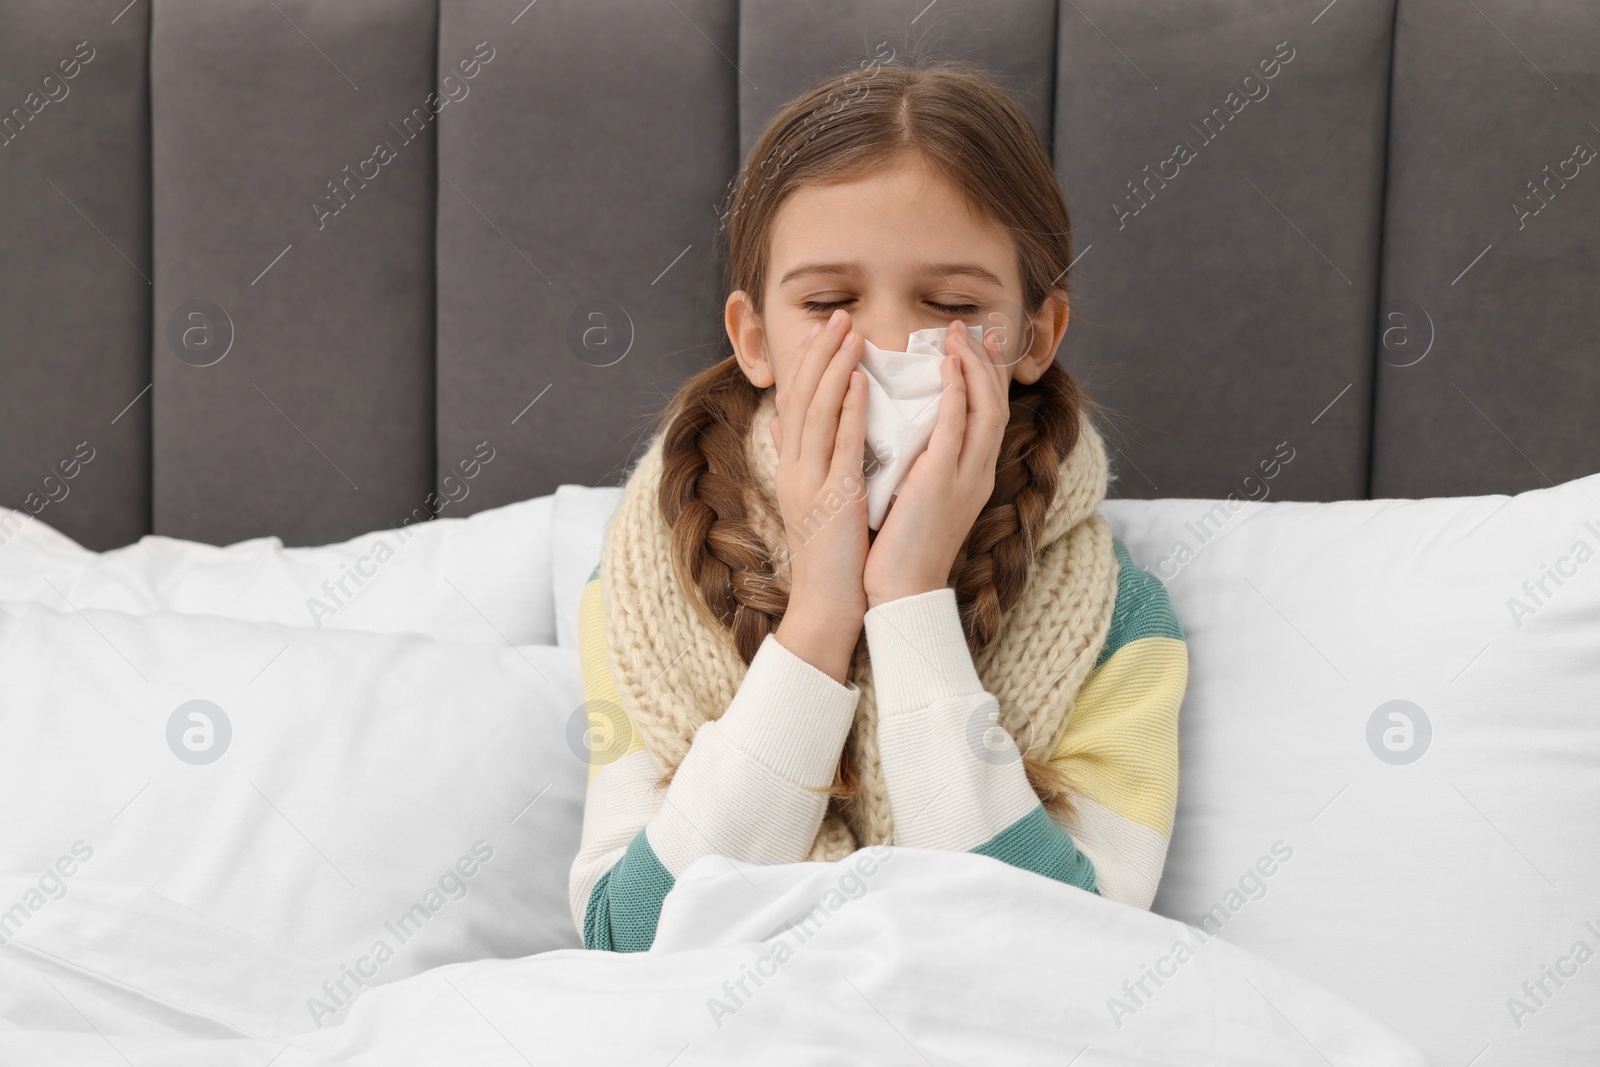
(942, 270)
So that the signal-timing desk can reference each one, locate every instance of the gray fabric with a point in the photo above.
(1506, 398)
(786, 47)
(317, 424)
(1221, 311)
(534, 272)
(75, 269)
(576, 219)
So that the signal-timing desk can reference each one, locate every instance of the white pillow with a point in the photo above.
(1422, 891)
(360, 775)
(581, 515)
(482, 578)
(1427, 891)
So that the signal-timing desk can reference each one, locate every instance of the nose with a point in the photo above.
(889, 336)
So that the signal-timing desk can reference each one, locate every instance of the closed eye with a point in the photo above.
(957, 310)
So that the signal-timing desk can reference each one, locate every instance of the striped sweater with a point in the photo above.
(747, 787)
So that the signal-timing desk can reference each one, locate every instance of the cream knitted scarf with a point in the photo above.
(674, 670)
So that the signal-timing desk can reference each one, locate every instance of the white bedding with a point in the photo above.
(439, 708)
(888, 956)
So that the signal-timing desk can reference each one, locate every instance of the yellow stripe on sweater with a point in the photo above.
(1120, 747)
(604, 706)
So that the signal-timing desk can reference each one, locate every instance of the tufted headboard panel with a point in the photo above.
(306, 268)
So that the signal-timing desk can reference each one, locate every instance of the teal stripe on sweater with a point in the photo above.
(625, 905)
(1143, 608)
(1038, 843)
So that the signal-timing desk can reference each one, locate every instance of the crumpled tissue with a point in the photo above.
(902, 409)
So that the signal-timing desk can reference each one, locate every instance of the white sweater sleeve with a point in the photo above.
(954, 774)
(955, 777)
(750, 788)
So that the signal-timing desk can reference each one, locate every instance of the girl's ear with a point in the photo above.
(1049, 326)
(749, 339)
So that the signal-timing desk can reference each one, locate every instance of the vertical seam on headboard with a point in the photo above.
(1055, 79)
(433, 273)
(738, 90)
(1375, 332)
(150, 301)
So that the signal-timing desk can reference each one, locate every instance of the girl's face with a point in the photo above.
(901, 251)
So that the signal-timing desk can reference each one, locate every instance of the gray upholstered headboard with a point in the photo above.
(226, 311)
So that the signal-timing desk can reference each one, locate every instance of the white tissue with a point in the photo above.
(902, 409)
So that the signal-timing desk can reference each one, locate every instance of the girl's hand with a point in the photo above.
(820, 433)
(949, 484)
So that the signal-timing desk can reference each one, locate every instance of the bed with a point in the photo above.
(303, 473)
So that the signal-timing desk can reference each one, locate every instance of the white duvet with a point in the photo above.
(889, 956)
(176, 894)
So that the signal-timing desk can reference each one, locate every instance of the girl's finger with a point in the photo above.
(849, 450)
(822, 419)
(951, 427)
(988, 409)
(813, 361)
(984, 359)
(786, 396)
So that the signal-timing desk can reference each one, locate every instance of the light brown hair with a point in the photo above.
(842, 129)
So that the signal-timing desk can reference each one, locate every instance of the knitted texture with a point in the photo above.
(675, 671)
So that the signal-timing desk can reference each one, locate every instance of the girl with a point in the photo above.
(810, 686)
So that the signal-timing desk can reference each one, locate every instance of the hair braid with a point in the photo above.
(716, 551)
(723, 563)
(999, 550)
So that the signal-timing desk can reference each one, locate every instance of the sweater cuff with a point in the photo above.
(790, 716)
(919, 652)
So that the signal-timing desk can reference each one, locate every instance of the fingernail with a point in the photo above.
(837, 317)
